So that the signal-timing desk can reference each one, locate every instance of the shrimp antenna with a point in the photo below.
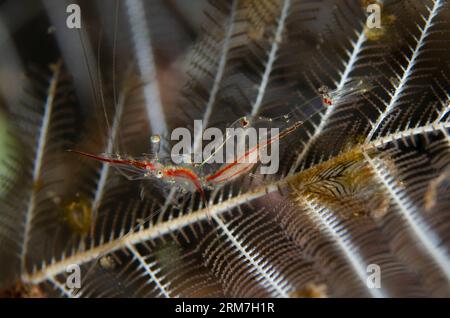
(88, 66)
(99, 76)
(116, 21)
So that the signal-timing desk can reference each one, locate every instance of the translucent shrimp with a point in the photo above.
(348, 93)
(193, 178)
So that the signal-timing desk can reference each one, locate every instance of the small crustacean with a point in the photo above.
(351, 90)
(191, 178)
(187, 177)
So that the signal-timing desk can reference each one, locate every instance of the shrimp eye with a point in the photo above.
(159, 174)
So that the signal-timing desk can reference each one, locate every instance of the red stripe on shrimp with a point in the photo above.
(186, 174)
(133, 163)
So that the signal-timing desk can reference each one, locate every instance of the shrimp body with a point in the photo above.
(229, 172)
(184, 176)
(247, 161)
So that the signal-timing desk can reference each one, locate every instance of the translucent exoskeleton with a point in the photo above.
(255, 135)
